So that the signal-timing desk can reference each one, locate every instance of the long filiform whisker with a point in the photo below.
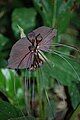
(26, 94)
(15, 91)
(67, 62)
(29, 97)
(60, 52)
(50, 65)
(46, 94)
(47, 61)
(63, 45)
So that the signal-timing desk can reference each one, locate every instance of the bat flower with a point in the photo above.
(25, 53)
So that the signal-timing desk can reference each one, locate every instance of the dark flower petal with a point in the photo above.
(19, 50)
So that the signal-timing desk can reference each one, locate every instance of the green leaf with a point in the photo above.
(64, 15)
(64, 6)
(74, 94)
(13, 86)
(25, 18)
(2, 81)
(45, 8)
(63, 21)
(65, 69)
(67, 72)
(76, 114)
(8, 111)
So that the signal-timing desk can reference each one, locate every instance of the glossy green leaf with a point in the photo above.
(13, 86)
(2, 81)
(63, 69)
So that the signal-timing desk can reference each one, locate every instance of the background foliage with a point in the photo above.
(58, 87)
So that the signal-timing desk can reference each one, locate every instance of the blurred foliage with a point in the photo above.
(64, 61)
(8, 111)
(19, 17)
(76, 114)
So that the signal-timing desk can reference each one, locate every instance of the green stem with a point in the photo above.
(54, 13)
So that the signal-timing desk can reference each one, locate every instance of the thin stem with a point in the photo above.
(39, 78)
(29, 89)
(26, 95)
(47, 97)
(49, 103)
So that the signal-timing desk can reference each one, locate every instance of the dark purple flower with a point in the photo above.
(26, 52)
